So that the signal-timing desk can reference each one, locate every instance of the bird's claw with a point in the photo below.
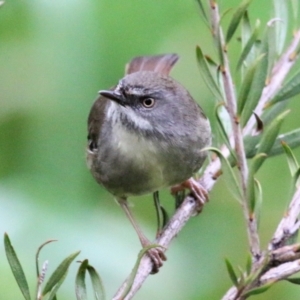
(197, 190)
(157, 256)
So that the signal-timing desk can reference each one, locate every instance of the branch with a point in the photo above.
(213, 171)
(278, 74)
(236, 129)
(286, 227)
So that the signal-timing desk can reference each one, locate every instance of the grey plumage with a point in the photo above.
(135, 150)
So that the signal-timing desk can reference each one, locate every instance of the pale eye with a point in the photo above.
(148, 102)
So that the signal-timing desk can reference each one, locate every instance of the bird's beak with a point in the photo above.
(114, 96)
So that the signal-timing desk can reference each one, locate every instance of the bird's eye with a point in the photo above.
(148, 102)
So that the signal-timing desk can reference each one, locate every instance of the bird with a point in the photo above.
(145, 134)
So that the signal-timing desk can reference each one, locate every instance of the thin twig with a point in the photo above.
(231, 103)
(211, 173)
(285, 227)
(278, 75)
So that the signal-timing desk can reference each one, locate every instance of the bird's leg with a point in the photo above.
(156, 254)
(197, 190)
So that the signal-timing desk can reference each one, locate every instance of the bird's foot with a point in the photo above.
(156, 254)
(196, 188)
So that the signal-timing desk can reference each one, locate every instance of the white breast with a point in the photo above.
(141, 151)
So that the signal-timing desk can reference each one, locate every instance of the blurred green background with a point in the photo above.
(54, 57)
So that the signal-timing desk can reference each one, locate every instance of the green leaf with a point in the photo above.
(272, 112)
(293, 280)
(59, 273)
(258, 290)
(203, 12)
(52, 294)
(291, 159)
(289, 90)
(257, 162)
(281, 27)
(97, 283)
(258, 84)
(291, 138)
(207, 75)
(247, 85)
(232, 182)
(80, 286)
(249, 45)
(251, 145)
(297, 178)
(295, 10)
(236, 18)
(251, 195)
(221, 127)
(231, 273)
(16, 267)
(245, 29)
(271, 133)
(271, 37)
(249, 264)
(258, 200)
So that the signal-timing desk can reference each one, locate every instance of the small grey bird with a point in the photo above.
(145, 134)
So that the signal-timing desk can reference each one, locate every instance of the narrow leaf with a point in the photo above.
(52, 294)
(234, 186)
(293, 280)
(295, 10)
(59, 273)
(289, 90)
(258, 83)
(272, 39)
(291, 138)
(165, 216)
(80, 286)
(258, 200)
(246, 34)
(297, 178)
(291, 159)
(280, 12)
(270, 134)
(249, 46)
(257, 161)
(203, 12)
(247, 84)
(258, 290)
(272, 112)
(16, 267)
(249, 264)
(221, 127)
(251, 145)
(207, 75)
(231, 272)
(236, 18)
(97, 283)
(245, 29)
(251, 200)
